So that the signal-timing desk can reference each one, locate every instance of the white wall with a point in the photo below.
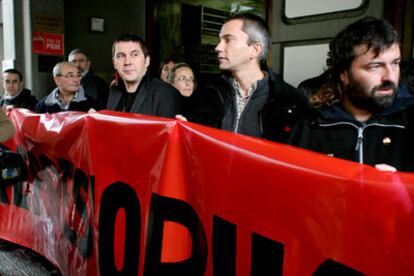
(298, 8)
(303, 62)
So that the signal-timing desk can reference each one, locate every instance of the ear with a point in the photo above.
(344, 78)
(147, 61)
(57, 81)
(113, 63)
(256, 49)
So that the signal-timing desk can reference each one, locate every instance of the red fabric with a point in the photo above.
(320, 208)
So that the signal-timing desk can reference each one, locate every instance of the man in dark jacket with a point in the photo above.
(358, 114)
(96, 89)
(135, 91)
(249, 98)
(68, 95)
(14, 93)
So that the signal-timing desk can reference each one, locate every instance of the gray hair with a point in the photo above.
(78, 51)
(256, 29)
(57, 70)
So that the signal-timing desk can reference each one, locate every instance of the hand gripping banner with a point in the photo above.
(124, 194)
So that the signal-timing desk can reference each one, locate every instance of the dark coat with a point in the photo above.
(269, 115)
(385, 138)
(24, 100)
(96, 89)
(154, 97)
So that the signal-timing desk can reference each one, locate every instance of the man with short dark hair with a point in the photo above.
(249, 98)
(135, 91)
(95, 88)
(359, 113)
(68, 95)
(14, 93)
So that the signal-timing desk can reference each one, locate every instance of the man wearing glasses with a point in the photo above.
(95, 88)
(68, 95)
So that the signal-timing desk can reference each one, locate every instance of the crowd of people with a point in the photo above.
(358, 109)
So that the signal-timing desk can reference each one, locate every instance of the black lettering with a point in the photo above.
(119, 196)
(19, 196)
(168, 209)
(19, 190)
(330, 267)
(34, 164)
(81, 182)
(224, 247)
(4, 198)
(267, 256)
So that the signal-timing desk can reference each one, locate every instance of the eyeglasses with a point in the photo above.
(184, 79)
(71, 76)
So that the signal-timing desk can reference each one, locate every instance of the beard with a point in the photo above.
(368, 99)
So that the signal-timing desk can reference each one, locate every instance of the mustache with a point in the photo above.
(386, 85)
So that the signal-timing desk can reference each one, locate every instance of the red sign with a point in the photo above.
(113, 193)
(47, 44)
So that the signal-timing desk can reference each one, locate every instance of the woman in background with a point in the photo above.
(182, 78)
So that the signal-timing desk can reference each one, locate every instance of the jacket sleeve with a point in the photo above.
(170, 103)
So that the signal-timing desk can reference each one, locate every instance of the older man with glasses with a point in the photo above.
(68, 95)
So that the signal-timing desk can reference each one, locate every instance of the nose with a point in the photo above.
(219, 46)
(127, 60)
(391, 73)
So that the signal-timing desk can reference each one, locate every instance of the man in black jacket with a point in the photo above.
(135, 91)
(360, 114)
(249, 98)
(96, 89)
(14, 93)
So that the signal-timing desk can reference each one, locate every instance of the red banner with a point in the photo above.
(114, 193)
(47, 43)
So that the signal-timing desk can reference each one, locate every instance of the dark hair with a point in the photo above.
(14, 71)
(256, 29)
(78, 51)
(376, 34)
(131, 37)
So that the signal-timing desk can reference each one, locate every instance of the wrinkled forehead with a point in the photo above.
(69, 68)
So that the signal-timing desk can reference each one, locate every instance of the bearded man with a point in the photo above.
(360, 114)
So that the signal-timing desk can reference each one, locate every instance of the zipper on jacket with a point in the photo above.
(359, 144)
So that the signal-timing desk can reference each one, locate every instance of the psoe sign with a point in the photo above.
(47, 43)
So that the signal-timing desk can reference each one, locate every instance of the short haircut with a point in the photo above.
(376, 34)
(78, 51)
(177, 66)
(57, 69)
(256, 29)
(131, 37)
(14, 71)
